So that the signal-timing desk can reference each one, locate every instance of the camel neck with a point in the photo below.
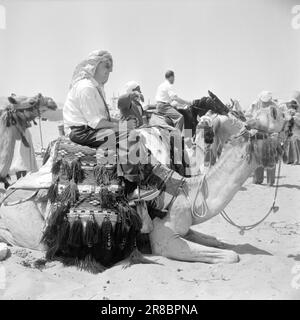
(223, 180)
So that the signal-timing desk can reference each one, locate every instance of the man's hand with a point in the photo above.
(131, 123)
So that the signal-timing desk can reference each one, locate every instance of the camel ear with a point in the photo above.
(12, 100)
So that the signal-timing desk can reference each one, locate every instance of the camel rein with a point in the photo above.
(273, 208)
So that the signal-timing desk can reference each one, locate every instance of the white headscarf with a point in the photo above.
(130, 86)
(86, 68)
(296, 97)
(265, 96)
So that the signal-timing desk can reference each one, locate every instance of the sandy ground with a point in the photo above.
(269, 266)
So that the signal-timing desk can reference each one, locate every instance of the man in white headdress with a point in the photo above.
(87, 115)
(264, 100)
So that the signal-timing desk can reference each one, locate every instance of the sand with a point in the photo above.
(269, 266)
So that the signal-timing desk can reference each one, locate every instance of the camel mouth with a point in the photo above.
(52, 106)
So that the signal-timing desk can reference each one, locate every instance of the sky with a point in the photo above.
(235, 48)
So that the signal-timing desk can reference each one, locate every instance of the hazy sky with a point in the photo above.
(233, 47)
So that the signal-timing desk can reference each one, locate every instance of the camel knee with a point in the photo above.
(226, 256)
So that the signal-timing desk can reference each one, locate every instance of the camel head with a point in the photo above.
(270, 119)
(223, 127)
(31, 107)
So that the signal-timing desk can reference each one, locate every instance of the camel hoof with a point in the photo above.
(232, 257)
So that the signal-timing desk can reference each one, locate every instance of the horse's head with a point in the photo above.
(212, 102)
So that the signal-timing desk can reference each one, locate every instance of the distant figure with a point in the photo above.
(265, 100)
(130, 103)
(292, 145)
(167, 101)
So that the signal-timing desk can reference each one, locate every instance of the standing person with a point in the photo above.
(86, 113)
(292, 145)
(24, 159)
(130, 103)
(264, 101)
(167, 100)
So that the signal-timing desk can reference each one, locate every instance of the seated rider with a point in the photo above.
(130, 103)
(87, 115)
(168, 101)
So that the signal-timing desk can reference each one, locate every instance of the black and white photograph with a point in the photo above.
(149, 150)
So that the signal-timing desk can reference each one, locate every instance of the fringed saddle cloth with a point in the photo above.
(91, 223)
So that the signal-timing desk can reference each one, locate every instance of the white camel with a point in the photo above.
(172, 236)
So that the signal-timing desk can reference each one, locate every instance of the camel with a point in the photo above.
(172, 237)
(223, 132)
(14, 120)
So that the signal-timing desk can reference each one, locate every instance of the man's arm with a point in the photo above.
(176, 98)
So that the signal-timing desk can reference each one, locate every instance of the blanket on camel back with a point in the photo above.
(91, 224)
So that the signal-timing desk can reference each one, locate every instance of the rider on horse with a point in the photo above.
(167, 100)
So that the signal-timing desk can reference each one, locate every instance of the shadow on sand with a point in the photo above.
(289, 186)
(296, 257)
(246, 248)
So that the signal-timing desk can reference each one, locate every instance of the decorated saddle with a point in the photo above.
(90, 224)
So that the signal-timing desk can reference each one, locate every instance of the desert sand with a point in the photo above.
(269, 266)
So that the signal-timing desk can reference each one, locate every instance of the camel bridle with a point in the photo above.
(261, 134)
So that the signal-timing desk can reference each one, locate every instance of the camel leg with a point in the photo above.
(204, 239)
(165, 242)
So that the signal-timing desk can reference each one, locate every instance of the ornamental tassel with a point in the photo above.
(143, 243)
(136, 257)
(90, 238)
(104, 175)
(70, 194)
(77, 171)
(56, 167)
(91, 265)
(120, 235)
(66, 169)
(53, 191)
(58, 215)
(135, 219)
(63, 236)
(59, 242)
(107, 240)
(75, 240)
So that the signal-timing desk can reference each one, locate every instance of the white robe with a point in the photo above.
(24, 158)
